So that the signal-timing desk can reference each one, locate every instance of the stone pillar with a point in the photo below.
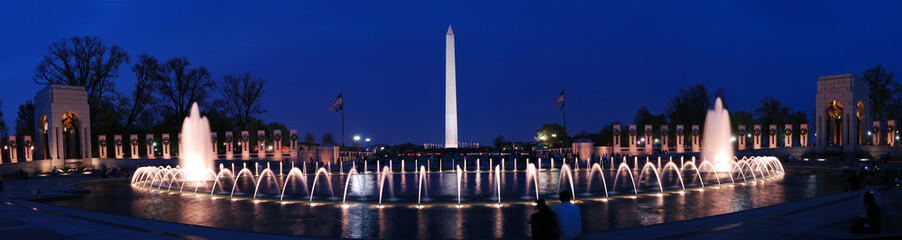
(117, 142)
(649, 148)
(293, 148)
(787, 135)
(102, 149)
(772, 136)
(245, 146)
(261, 144)
(228, 141)
(167, 154)
(29, 148)
(891, 133)
(803, 135)
(696, 144)
(150, 145)
(665, 145)
(215, 142)
(632, 131)
(875, 133)
(13, 149)
(133, 142)
(756, 140)
(741, 137)
(277, 144)
(680, 141)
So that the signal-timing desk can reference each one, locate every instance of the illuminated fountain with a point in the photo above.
(718, 147)
(195, 151)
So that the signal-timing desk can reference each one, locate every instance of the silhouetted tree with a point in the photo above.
(25, 119)
(719, 93)
(243, 94)
(4, 130)
(771, 111)
(881, 93)
(327, 138)
(181, 86)
(689, 106)
(555, 135)
(146, 70)
(499, 142)
(83, 61)
(309, 138)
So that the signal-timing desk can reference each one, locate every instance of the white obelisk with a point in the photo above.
(450, 92)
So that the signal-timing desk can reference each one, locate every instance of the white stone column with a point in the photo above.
(167, 154)
(229, 140)
(102, 146)
(133, 142)
(891, 133)
(117, 142)
(179, 141)
(29, 148)
(149, 142)
(803, 135)
(787, 135)
(741, 138)
(772, 136)
(649, 139)
(633, 134)
(665, 145)
(875, 133)
(277, 144)
(215, 142)
(756, 137)
(245, 145)
(293, 149)
(696, 145)
(680, 141)
(13, 149)
(261, 144)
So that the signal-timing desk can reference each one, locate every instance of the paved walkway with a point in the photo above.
(827, 217)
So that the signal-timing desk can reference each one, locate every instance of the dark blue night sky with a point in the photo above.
(513, 57)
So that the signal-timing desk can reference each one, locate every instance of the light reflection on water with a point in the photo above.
(444, 221)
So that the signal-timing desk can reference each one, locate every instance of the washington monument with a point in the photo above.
(450, 92)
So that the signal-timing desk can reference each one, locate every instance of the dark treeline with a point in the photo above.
(164, 90)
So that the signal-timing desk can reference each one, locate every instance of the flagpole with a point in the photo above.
(342, 118)
(564, 107)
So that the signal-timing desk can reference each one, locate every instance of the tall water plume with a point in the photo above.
(717, 145)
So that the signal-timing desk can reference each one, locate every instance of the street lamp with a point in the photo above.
(356, 140)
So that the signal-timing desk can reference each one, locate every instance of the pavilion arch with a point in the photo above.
(835, 113)
(71, 134)
(62, 121)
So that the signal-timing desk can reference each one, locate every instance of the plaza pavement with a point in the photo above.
(826, 217)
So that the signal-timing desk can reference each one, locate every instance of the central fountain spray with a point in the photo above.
(195, 151)
(718, 147)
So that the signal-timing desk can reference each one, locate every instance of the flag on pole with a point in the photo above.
(560, 100)
(337, 105)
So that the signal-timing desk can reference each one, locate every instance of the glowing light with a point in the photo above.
(604, 199)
